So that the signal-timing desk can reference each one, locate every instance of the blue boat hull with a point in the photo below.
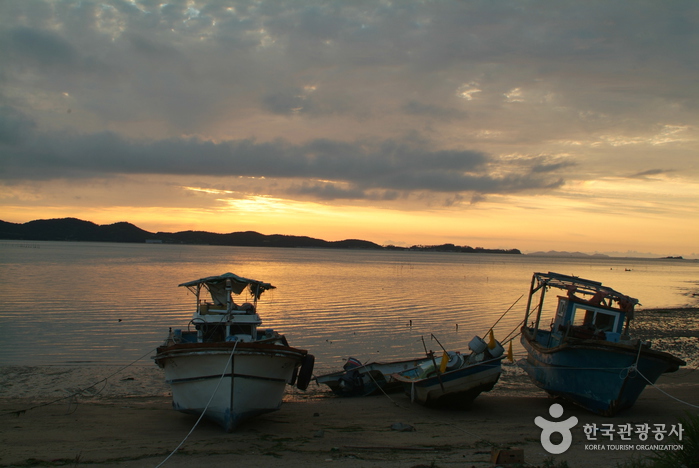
(457, 388)
(600, 376)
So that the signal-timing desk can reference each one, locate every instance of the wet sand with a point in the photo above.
(127, 420)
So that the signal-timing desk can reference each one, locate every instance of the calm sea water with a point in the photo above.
(102, 303)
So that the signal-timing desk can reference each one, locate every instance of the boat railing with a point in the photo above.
(206, 308)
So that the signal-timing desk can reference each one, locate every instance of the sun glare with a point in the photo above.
(208, 190)
(264, 204)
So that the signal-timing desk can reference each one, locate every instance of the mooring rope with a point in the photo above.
(73, 396)
(517, 329)
(664, 392)
(223, 374)
(503, 315)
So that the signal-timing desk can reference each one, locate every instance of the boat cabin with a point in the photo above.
(578, 318)
(587, 311)
(219, 318)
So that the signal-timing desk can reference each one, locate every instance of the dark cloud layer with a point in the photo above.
(349, 169)
(433, 96)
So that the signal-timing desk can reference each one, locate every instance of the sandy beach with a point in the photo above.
(127, 420)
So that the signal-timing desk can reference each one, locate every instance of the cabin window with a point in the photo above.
(584, 317)
(604, 322)
(595, 318)
(562, 306)
(210, 332)
(241, 330)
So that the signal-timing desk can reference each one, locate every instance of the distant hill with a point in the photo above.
(72, 229)
(554, 253)
(255, 239)
(462, 249)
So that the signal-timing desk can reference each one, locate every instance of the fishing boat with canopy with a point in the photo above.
(224, 365)
(587, 355)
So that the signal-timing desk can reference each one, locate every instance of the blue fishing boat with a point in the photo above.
(586, 355)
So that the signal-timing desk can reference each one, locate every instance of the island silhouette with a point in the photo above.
(73, 229)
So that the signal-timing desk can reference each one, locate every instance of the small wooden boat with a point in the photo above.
(458, 379)
(587, 355)
(359, 379)
(226, 367)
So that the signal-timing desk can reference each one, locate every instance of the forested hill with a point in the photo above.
(72, 229)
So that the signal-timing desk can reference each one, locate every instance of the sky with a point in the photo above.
(535, 125)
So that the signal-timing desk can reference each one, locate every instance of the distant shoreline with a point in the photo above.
(76, 230)
(72, 229)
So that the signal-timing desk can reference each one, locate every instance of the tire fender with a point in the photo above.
(305, 372)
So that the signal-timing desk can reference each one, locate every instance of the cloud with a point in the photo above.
(649, 172)
(43, 48)
(353, 169)
(191, 63)
(430, 110)
(327, 191)
(545, 167)
(46, 52)
(347, 100)
(15, 126)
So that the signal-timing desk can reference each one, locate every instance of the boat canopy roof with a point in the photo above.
(217, 286)
(573, 284)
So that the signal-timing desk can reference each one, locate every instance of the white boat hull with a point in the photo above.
(231, 383)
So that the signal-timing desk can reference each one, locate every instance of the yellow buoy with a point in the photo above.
(443, 364)
(509, 353)
(491, 343)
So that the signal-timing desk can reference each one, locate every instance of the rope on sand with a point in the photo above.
(664, 392)
(73, 396)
